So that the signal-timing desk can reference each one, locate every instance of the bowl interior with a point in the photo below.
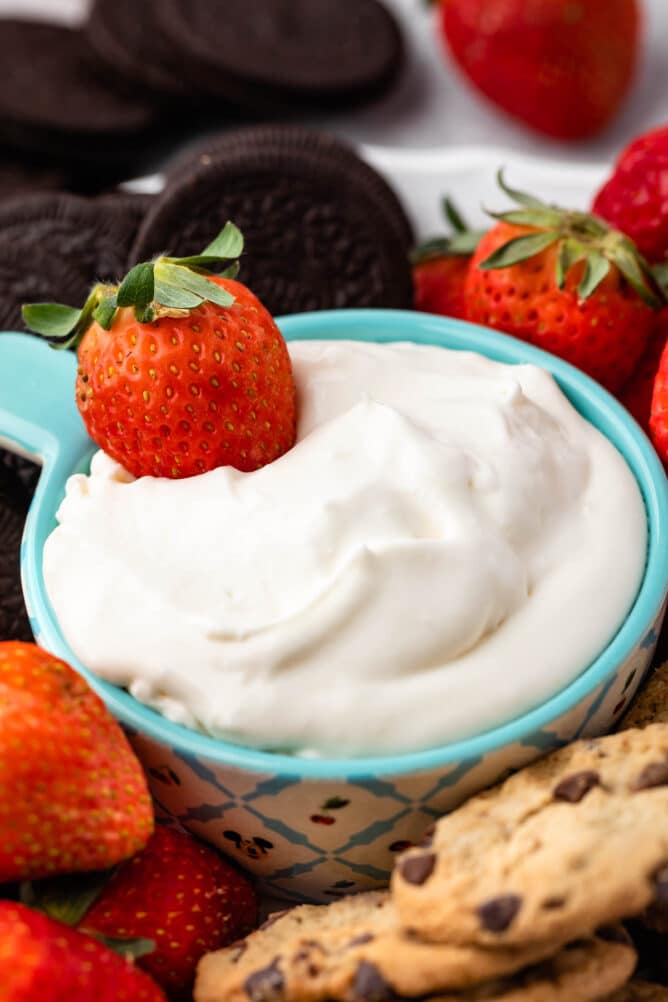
(590, 400)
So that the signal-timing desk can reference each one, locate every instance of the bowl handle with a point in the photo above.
(38, 413)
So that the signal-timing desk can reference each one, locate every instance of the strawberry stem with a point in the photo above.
(169, 286)
(580, 237)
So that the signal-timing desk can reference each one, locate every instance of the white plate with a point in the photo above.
(468, 174)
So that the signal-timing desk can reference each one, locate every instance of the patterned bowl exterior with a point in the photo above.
(313, 839)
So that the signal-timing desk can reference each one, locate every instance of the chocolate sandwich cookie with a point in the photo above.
(126, 36)
(322, 228)
(53, 100)
(36, 274)
(53, 247)
(285, 54)
(17, 481)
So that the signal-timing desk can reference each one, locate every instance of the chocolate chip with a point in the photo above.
(654, 774)
(555, 902)
(497, 914)
(364, 937)
(369, 984)
(614, 934)
(573, 788)
(266, 985)
(417, 869)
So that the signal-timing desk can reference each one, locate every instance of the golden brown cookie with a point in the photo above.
(574, 841)
(347, 950)
(651, 704)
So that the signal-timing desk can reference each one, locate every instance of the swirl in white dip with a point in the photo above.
(447, 544)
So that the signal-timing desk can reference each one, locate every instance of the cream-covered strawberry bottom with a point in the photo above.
(447, 544)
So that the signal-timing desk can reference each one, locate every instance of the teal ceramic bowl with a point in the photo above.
(314, 829)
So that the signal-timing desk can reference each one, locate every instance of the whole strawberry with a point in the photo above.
(635, 198)
(72, 793)
(440, 267)
(636, 395)
(180, 370)
(565, 282)
(658, 421)
(563, 68)
(42, 960)
(181, 895)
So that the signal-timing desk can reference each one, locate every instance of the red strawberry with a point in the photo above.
(658, 422)
(183, 896)
(567, 283)
(42, 960)
(635, 198)
(637, 393)
(196, 375)
(440, 267)
(73, 795)
(562, 67)
(439, 285)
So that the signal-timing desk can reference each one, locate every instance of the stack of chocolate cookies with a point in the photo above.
(114, 95)
(517, 896)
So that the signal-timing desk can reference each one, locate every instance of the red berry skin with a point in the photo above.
(182, 396)
(604, 336)
(636, 395)
(42, 960)
(439, 285)
(73, 795)
(658, 421)
(635, 198)
(182, 895)
(561, 67)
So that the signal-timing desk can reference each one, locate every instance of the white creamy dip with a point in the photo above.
(447, 544)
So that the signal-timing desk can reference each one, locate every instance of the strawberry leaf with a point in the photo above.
(570, 252)
(137, 288)
(596, 269)
(521, 197)
(543, 218)
(65, 898)
(660, 275)
(176, 275)
(175, 297)
(53, 320)
(626, 257)
(519, 249)
(453, 215)
(228, 244)
(131, 949)
(105, 312)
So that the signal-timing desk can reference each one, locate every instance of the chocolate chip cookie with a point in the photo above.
(651, 703)
(582, 971)
(576, 840)
(351, 949)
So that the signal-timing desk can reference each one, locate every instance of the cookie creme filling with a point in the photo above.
(447, 544)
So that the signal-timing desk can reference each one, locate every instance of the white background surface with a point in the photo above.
(433, 106)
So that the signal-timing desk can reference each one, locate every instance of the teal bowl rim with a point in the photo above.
(594, 403)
